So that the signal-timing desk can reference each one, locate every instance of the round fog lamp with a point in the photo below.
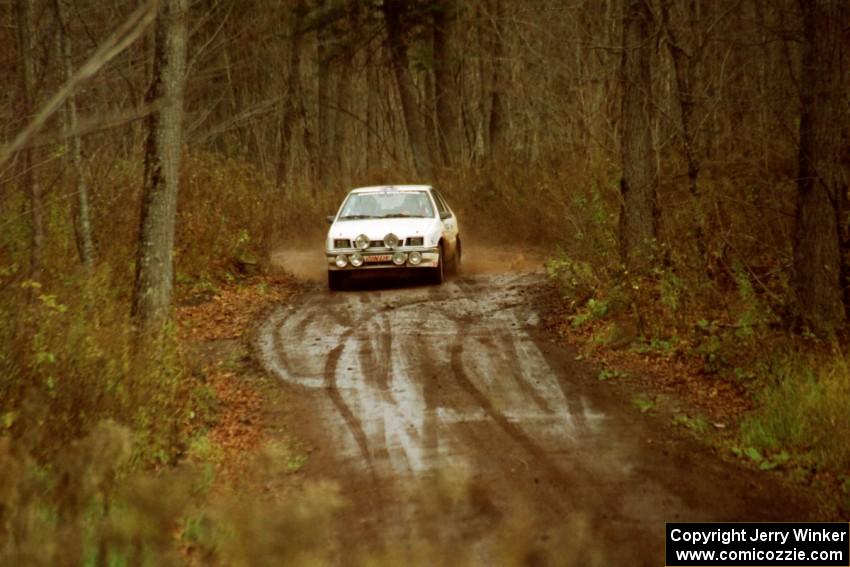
(399, 258)
(391, 240)
(415, 258)
(356, 260)
(341, 261)
(361, 242)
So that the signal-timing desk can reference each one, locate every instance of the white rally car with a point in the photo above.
(392, 227)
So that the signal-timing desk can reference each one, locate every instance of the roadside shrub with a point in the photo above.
(576, 279)
(68, 362)
(89, 508)
(89, 425)
(804, 406)
(227, 215)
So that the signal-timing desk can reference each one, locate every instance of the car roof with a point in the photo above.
(376, 188)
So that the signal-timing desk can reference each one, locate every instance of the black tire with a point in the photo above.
(456, 259)
(336, 281)
(438, 274)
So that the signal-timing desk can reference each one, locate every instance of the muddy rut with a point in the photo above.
(447, 418)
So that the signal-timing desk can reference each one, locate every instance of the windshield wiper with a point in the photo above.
(398, 216)
(357, 217)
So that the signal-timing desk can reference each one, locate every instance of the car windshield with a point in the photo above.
(387, 204)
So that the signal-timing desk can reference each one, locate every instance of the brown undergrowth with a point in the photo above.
(709, 319)
(721, 401)
(727, 373)
(215, 325)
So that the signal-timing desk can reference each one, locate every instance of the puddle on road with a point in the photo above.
(405, 372)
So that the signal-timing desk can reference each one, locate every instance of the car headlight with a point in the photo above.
(341, 261)
(399, 258)
(415, 258)
(391, 240)
(415, 241)
(356, 260)
(342, 243)
(361, 242)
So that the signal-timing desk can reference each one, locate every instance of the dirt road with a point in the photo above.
(450, 421)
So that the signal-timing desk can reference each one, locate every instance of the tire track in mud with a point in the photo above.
(514, 369)
(408, 385)
(375, 355)
(375, 361)
(371, 335)
(514, 361)
(512, 430)
(389, 338)
(310, 314)
(354, 425)
(385, 330)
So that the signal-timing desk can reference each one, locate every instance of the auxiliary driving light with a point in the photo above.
(415, 258)
(341, 261)
(391, 240)
(361, 242)
(399, 258)
(356, 260)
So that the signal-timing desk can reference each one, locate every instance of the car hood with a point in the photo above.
(376, 229)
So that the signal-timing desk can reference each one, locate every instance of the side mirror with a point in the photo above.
(446, 215)
(330, 219)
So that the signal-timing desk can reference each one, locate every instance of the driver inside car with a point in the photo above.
(414, 206)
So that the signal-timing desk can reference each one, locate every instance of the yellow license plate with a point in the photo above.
(378, 258)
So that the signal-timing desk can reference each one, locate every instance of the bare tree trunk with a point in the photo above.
(313, 159)
(446, 73)
(639, 207)
(83, 232)
(31, 185)
(498, 112)
(323, 70)
(154, 267)
(293, 91)
(820, 186)
(427, 109)
(373, 148)
(324, 138)
(476, 94)
(416, 132)
(343, 92)
(341, 117)
(683, 64)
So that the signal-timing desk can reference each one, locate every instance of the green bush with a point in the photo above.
(577, 280)
(805, 407)
(68, 363)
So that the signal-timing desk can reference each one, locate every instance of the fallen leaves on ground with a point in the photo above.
(216, 325)
(226, 311)
(237, 430)
(682, 376)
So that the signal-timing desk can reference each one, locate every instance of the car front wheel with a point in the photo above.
(438, 274)
(456, 257)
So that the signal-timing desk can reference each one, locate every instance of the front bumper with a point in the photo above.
(430, 258)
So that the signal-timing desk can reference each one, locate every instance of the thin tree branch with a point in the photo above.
(122, 38)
